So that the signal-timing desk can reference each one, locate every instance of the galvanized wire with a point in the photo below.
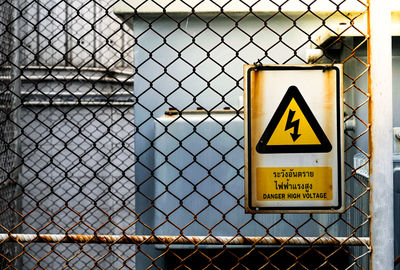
(131, 135)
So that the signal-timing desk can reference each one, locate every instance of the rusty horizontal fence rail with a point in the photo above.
(195, 240)
(79, 103)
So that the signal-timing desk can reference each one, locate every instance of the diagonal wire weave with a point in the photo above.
(123, 120)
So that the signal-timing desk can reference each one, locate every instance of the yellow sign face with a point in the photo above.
(293, 128)
(294, 183)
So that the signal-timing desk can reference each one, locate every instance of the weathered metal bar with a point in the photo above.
(74, 78)
(194, 240)
(381, 133)
(71, 68)
(79, 103)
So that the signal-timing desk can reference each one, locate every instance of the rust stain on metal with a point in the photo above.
(328, 104)
(397, 261)
(257, 103)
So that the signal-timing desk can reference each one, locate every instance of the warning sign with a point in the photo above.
(293, 128)
(298, 183)
(293, 138)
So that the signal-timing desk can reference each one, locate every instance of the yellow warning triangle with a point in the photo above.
(293, 128)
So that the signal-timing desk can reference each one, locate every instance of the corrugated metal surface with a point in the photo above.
(81, 164)
(78, 147)
(75, 33)
(9, 113)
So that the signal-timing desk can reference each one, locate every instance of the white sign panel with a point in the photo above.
(294, 138)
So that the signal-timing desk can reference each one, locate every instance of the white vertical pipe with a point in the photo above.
(381, 134)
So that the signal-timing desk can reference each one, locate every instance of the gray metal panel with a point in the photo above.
(208, 91)
(51, 38)
(52, 145)
(396, 81)
(220, 181)
(81, 37)
(396, 178)
(55, 34)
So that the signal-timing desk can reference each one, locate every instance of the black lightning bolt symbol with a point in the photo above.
(293, 124)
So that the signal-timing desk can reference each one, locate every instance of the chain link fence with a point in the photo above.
(122, 134)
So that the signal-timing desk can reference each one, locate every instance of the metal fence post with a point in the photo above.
(381, 148)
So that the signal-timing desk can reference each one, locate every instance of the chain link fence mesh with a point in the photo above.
(122, 136)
